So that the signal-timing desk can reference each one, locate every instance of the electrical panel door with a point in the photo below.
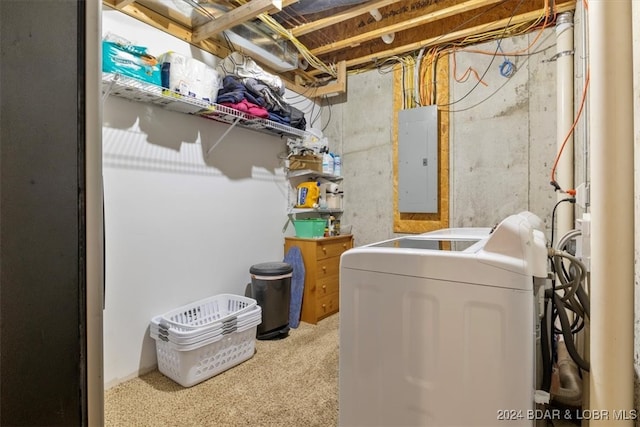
(418, 160)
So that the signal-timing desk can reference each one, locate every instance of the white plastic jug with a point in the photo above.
(327, 163)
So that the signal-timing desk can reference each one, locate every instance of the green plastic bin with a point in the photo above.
(310, 227)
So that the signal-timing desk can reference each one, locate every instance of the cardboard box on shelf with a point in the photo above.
(300, 162)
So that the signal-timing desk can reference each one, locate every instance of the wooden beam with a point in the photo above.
(449, 37)
(335, 88)
(119, 4)
(332, 20)
(235, 17)
(154, 19)
(169, 26)
(423, 222)
(295, 86)
(184, 33)
(404, 25)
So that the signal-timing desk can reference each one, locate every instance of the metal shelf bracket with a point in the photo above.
(226, 132)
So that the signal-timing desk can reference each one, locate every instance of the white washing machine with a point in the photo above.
(439, 329)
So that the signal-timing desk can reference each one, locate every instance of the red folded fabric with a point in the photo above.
(249, 108)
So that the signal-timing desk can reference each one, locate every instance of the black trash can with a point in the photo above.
(271, 288)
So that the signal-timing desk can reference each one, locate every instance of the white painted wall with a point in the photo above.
(180, 226)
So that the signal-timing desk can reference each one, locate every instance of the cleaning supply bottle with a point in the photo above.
(308, 194)
(327, 163)
(337, 165)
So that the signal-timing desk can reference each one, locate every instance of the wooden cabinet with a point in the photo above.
(322, 272)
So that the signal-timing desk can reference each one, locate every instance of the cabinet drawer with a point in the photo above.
(327, 249)
(327, 305)
(328, 267)
(326, 286)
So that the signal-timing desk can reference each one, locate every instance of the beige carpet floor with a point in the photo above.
(287, 382)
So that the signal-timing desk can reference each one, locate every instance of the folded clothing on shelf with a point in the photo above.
(248, 107)
(234, 91)
(245, 82)
(238, 64)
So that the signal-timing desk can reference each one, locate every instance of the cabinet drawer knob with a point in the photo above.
(324, 268)
(324, 249)
(324, 287)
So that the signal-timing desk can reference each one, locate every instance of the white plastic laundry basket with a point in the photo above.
(207, 312)
(179, 336)
(199, 340)
(191, 367)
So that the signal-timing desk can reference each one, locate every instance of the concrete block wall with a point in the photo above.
(502, 149)
(360, 128)
(503, 133)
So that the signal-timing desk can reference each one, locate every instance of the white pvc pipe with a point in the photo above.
(565, 117)
(585, 113)
(612, 192)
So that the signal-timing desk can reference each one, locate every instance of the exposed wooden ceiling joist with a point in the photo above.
(404, 25)
(169, 26)
(119, 4)
(235, 17)
(416, 23)
(449, 37)
(340, 17)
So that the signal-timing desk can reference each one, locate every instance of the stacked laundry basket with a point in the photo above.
(198, 341)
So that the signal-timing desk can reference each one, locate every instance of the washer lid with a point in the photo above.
(271, 269)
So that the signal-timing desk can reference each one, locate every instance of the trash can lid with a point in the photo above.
(271, 269)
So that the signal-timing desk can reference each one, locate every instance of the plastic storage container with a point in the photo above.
(209, 312)
(198, 341)
(310, 227)
(192, 366)
(161, 331)
(271, 288)
(334, 200)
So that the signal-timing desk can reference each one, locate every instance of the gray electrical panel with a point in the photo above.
(418, 160)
